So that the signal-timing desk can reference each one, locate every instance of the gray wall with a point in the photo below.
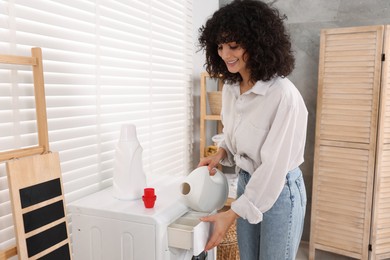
(305, 20)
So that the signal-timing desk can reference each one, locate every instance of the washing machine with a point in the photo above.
(106, 228)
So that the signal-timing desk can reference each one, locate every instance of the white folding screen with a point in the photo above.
(105, 63)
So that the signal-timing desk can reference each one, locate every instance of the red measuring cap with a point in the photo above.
(149, 197)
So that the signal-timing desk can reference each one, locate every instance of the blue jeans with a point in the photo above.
(278, 236)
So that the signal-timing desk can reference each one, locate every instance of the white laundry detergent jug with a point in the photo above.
(129, 179)
(203, 192)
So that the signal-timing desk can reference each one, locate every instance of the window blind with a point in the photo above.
(106, 63)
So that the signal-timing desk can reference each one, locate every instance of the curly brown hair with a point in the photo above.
(259, 29)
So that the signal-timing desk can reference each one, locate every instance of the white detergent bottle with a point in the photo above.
(129, 176)
(203, 192)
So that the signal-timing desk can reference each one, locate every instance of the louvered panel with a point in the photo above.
(341, 197)
(348, 87)
(381, 207)
(382, 210)
(386, 118)
(386, 87)
(352, 121)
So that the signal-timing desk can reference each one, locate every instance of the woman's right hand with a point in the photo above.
(212, 161)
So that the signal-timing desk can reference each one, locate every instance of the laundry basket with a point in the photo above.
(228, 248)
(215, 102)
(210, 150)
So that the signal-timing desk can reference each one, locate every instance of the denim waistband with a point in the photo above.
(291, 176)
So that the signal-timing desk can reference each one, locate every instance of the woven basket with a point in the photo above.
(210, 150)
(228, 248)
(215, 102)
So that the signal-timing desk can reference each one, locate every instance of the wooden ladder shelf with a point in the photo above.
(35, 184)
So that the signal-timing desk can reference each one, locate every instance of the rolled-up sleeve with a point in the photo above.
(228, 160)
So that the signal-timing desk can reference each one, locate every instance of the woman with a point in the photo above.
(264, 119)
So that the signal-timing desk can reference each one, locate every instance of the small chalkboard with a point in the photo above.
(34, 180)
(38, 206)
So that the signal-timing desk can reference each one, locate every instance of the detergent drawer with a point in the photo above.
(188, 232)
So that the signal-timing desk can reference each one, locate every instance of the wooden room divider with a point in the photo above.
(351, 183)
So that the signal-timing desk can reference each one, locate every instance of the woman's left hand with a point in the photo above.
(222, 222)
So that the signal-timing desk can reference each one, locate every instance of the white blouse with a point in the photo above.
(264, 134)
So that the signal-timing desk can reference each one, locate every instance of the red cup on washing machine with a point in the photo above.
(149, 198)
